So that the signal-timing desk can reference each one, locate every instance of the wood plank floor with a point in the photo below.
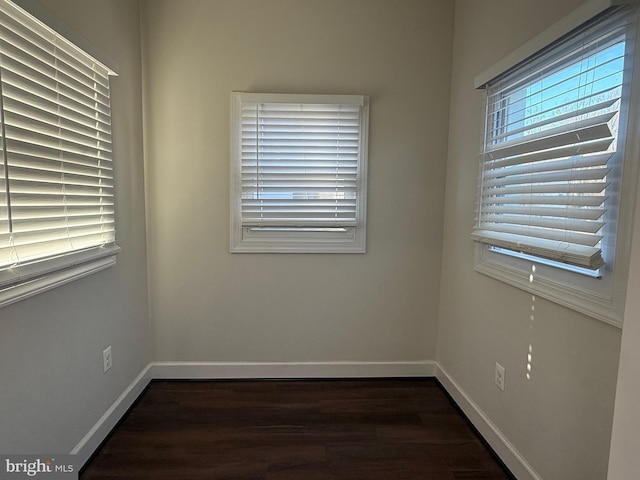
(388, 429)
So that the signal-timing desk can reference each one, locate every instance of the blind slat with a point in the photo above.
(546, 211)
(581, 131)
(569, 175)
(568, 224)
(567, 236)
(556, 164)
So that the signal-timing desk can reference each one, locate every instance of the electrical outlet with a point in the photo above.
(107, 361)
(499, 376)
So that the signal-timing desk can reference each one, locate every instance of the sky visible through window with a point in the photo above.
(591, 81)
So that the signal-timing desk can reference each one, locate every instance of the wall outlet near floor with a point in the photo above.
(499, 376)
(107, 361)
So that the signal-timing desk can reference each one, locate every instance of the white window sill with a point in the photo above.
(252, 240)
(594, 297)
(17, 290)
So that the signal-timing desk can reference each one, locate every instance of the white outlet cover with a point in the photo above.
(107, 360)
(499, 376)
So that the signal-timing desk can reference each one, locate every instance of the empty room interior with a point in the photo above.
(195, 291)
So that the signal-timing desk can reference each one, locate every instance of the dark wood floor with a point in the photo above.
(395, 429)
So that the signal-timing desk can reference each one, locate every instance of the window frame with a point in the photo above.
(603, 296)
(27, 279)
(343, 239)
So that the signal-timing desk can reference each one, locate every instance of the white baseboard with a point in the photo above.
(242, 370)
(509, 455)
(92, 440)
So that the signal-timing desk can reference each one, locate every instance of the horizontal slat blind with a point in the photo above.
(551, 135)
(57, 174)
(300, 164)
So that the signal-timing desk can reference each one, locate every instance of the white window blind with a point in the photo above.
(56, 173)
(553, 136)
(299, 163)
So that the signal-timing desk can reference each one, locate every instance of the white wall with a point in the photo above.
(209, 305)
(560, 420)
(53, 389)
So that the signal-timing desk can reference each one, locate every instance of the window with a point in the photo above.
(56, 174)
(298, 173)
(549, 208)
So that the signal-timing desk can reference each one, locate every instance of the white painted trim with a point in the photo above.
(29, 288)
(99, 432)
(501, 445)
(594, 297)
(238, 370)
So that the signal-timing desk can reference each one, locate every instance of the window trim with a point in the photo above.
(348, 239)
(600, 298)
(558, 286)
(59, 274)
